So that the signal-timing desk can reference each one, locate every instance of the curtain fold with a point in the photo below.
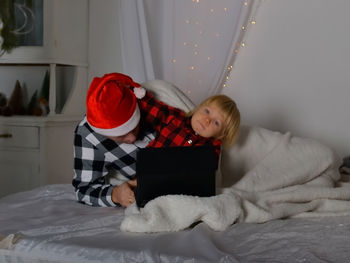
(190, 43)
(136, 54)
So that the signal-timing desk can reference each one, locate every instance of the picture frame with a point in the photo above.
(28, 22)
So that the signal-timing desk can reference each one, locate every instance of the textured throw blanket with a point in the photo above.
(266, 175)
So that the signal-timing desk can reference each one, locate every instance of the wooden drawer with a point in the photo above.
(19, 137)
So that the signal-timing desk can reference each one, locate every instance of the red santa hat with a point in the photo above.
(111, 105)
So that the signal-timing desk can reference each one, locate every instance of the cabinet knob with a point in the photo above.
(5, 135)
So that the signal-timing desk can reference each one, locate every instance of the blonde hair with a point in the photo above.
(231, 113)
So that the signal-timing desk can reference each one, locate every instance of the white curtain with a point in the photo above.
(190, 43)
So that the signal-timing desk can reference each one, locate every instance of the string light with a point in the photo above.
(240, 43)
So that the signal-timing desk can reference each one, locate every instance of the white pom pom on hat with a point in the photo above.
(112, 108)
(139, 92)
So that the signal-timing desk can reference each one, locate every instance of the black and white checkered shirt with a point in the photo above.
(94, 156)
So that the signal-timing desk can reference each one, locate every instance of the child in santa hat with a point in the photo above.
(114, 112)
(107, 139)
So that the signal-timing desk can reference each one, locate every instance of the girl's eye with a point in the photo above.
(206, 110)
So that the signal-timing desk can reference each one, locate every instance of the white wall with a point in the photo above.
(104, 38)
(292, 75)
(294, 72)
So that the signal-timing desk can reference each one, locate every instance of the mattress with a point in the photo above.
(49, 225)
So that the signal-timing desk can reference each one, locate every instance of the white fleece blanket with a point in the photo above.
(266, 175)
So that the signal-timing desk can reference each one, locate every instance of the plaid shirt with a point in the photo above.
(172, 126)
(94, 156)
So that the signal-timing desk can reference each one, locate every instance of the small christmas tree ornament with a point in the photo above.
(43, 101)
(3, 102)
(16, 100)
(33, 103)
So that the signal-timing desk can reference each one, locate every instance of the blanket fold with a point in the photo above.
(297, 177)
(266, 175)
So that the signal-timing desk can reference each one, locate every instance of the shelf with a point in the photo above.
(68, 84)
(41, 121)
(40, 62)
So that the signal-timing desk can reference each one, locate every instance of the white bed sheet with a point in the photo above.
(53, 227)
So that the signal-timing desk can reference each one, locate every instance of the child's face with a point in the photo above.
(208, 121)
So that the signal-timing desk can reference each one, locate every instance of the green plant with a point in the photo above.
(7, 16)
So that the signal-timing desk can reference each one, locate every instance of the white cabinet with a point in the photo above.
(39, 150)
(19, 158)
(35, 151)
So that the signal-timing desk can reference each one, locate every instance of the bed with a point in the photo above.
(49, 226)
(280, 199)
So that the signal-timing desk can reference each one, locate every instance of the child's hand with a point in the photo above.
(124, 193)
(132, 183)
